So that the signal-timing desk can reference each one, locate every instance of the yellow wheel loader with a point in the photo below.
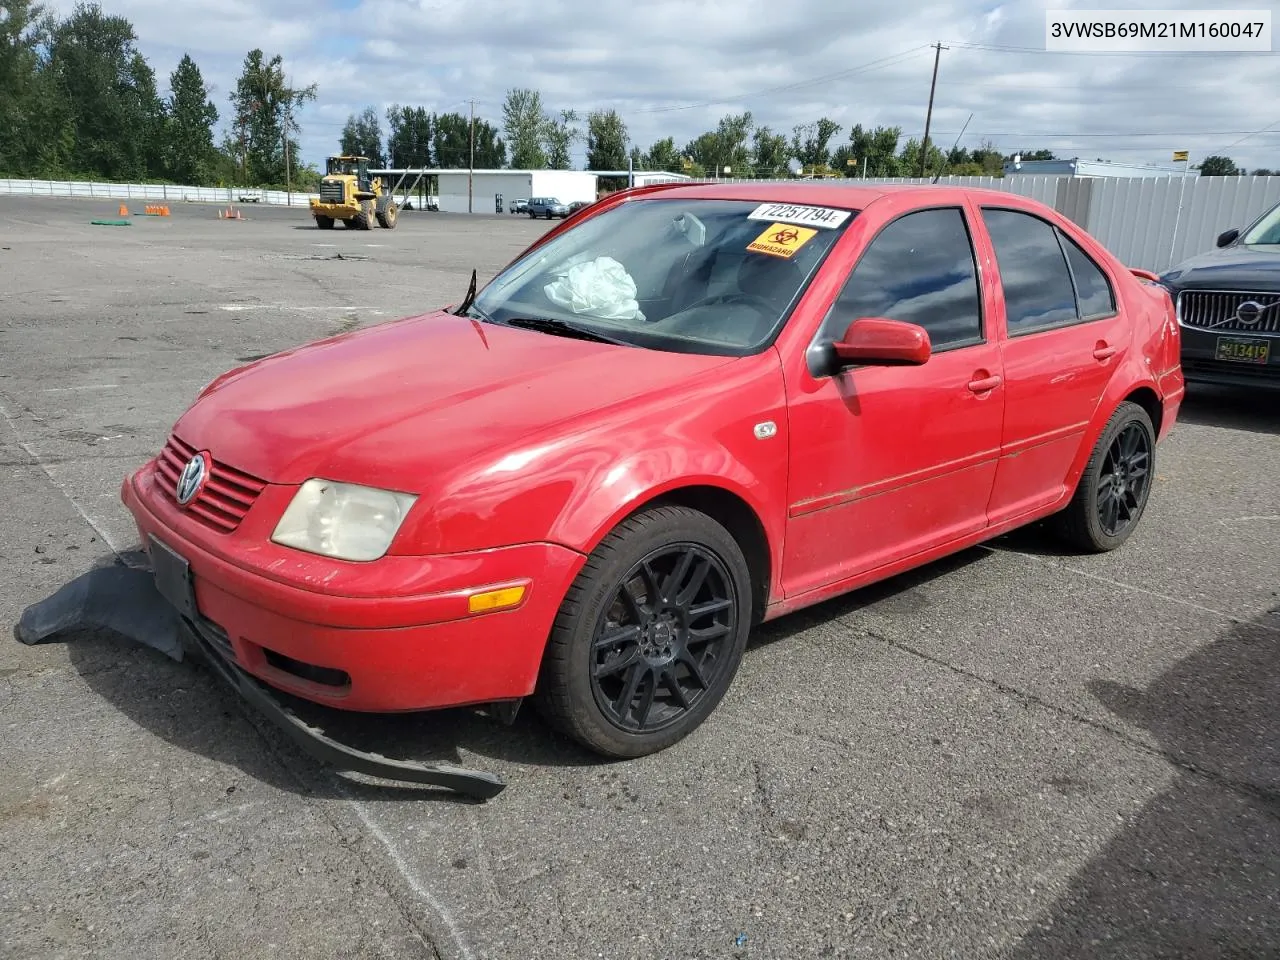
(349, 194)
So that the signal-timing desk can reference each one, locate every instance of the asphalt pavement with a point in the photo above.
(1017, 752)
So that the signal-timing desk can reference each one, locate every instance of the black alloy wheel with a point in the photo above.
(1123, 482)
(660, 644)
(649, 636)
(1113, 491)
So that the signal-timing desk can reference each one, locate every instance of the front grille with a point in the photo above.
(332, 191)
(1216, 310)
(227, 495)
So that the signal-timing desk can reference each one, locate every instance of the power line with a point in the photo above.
(1040, 51)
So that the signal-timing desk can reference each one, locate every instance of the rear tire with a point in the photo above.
(324, 223)
(1115, 487)
(649, 636)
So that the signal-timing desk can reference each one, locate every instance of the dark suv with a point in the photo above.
(1228, 306)
(547, 207)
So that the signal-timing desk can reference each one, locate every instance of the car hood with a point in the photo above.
(1229, 268)
(400, 404)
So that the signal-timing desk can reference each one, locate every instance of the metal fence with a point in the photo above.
(150, 191)
(1148, 222)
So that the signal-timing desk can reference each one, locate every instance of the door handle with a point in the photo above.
(984, 384)
(1103, 350)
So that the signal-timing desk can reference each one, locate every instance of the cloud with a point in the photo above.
(660, 63)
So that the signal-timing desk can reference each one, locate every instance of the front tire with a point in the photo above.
(1112, 494)
(650, 635)
(387, 217)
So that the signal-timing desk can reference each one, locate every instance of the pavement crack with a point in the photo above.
(421, 931)
(26, 448)
(1230, 617)
(1269, 799)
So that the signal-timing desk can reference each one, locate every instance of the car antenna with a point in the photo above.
(470, 298)
(953, 146)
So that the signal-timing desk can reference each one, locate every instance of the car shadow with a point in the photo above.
(898, 595)
(187, 705)
(1236, 408)
(1195, 872)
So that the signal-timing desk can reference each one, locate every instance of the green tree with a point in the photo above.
(769, 153)
(452, 148)
(109, 90)
(606, 141)
(1032, 155)
(726, 146)
(362, 136)
(408, 137)
(811, 143)
(878, 147)
(524, 124)
(35, 126)
(1217, 166)
(663, 155)
(263, 105)
(190, 131)
(558, 136)
(909, 159)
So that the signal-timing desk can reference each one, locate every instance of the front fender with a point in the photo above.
(572, 487)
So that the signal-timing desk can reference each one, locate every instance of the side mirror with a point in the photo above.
(877, 341)
(1228, 236)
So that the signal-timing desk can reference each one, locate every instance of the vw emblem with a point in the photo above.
(191, 480)
(1251, 311)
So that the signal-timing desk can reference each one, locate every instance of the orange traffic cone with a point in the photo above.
(124, 209)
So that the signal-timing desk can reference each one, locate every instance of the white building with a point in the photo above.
(487, 185)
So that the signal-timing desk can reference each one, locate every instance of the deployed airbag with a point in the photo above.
(599, 288)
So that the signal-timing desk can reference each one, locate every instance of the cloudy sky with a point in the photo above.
(674, 69)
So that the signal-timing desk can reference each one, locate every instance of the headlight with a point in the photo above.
(342, 520)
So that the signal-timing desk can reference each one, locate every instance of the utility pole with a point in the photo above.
(471, 162)
(924, 150)
(244, 154)
(288, 117)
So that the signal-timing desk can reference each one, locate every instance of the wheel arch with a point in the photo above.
(731, 509)
(1144, 394)
(1147, 398)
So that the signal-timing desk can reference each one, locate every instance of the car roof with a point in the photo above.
(847, 194)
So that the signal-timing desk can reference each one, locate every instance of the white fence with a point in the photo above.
(1148, 222)
(150, 191)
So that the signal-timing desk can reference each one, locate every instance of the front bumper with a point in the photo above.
(338, 211)
(1202, 363)
(409, 648)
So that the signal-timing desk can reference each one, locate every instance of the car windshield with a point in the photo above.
(693, 276)
(1267, 230)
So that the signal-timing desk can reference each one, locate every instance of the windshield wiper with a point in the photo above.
(469, 299)
(564, 328)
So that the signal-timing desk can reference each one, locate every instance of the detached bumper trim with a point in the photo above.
(473, 783)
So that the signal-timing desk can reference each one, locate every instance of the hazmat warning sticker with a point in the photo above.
(826, 217)
(782, 240)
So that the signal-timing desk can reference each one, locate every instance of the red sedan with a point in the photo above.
(685, 410)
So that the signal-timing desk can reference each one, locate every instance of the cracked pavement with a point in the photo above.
(1012, 753)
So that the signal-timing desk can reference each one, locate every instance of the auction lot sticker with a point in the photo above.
(827, 217)
(782, 240)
